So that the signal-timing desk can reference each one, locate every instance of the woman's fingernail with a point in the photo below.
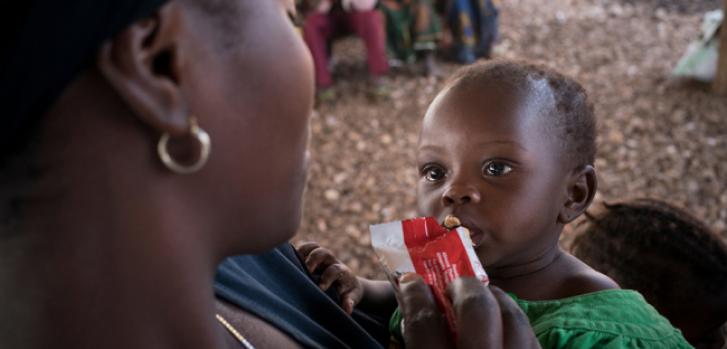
(408, 277)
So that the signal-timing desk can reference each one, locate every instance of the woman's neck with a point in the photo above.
(111, 252)
(101, 267)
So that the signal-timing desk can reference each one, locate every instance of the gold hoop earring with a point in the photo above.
(204, 143)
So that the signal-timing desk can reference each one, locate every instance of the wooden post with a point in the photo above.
(720, 82)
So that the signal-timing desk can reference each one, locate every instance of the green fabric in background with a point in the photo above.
(405, 32)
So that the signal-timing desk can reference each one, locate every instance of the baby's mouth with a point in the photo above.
(476, 234)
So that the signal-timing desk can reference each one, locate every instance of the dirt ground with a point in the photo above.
(658, 137)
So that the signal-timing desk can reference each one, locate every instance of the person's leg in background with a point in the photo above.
(426, 32)
(398, 33)
(369, 26)
(488, 28)
(317, 30)
(462, 21)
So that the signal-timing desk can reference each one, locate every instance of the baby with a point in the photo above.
(673, 259)
(508, 148)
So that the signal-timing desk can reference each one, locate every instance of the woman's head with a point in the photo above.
(238, 67)
(669, 256)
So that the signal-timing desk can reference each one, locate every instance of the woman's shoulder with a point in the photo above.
(601, 319)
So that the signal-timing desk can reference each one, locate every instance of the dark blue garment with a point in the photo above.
(474, 24)
(275, 287)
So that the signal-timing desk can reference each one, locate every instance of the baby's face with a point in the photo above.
(487, 157)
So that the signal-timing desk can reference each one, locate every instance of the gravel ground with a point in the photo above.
(657, 137)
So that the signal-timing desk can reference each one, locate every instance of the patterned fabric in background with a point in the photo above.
(474, 28)
(411, 26)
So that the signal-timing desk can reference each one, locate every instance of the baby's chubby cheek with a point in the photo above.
(427, 206)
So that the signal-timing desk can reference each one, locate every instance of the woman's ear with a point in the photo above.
(143, 64)
(581, 188)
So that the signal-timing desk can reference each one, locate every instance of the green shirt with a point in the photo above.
(604, 319)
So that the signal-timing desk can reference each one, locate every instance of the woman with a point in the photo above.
(115, 209)
(142, 142)
(325, 20)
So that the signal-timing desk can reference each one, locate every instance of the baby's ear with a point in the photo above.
(580, 190)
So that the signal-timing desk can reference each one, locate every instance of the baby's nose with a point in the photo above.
(460, 195)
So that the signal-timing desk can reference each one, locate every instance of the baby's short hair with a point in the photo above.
(658, 249)
(571, 118)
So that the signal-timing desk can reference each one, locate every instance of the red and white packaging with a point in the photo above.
(423, 246)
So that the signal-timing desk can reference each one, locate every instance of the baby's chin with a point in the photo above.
(485, 256)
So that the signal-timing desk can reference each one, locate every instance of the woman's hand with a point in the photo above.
(486, 317)
(333, 272)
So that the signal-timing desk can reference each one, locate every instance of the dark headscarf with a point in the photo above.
(49, 42)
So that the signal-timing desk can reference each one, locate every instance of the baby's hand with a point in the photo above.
(333, 271)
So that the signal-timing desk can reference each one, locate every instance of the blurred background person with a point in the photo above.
(327, 20)
(413, 30)
(473, 26)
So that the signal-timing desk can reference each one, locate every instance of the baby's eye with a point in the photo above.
(496, 169)
(433, 173)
